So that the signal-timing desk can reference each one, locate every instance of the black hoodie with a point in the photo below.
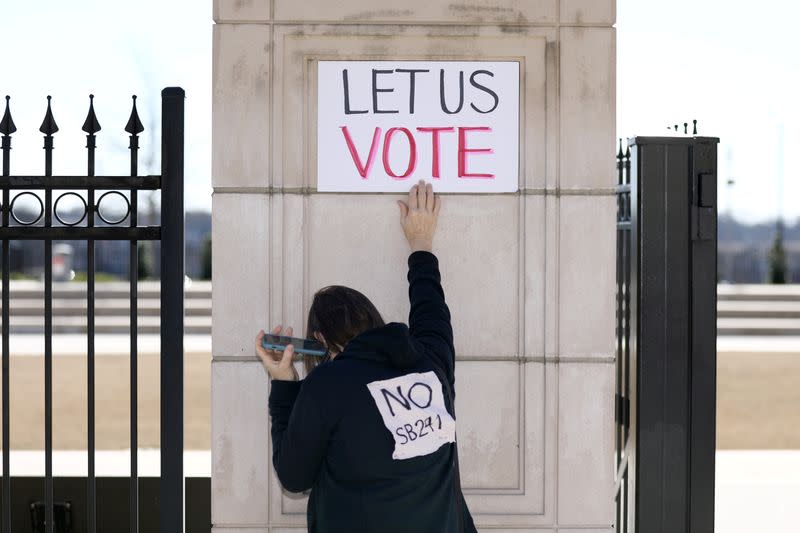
(372, 431)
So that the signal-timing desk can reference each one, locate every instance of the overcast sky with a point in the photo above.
(113, 49)
(733, 66)
(728, 63)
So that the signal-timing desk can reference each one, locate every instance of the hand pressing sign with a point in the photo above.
(413, 410)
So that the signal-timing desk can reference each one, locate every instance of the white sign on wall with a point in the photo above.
(383, 125)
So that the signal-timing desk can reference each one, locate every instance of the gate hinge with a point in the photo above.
(626, 411)
(622, 410)
(704, 223)
(704, 220)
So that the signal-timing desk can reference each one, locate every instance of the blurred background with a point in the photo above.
(734, 69)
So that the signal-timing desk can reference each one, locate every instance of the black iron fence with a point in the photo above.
(50, 224)
(623, 334)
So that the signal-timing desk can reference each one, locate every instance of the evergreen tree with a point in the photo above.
(143, 260)
(777, 258)
(205, 272)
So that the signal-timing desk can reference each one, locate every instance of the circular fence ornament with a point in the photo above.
(107, 218)
(14, 214)
(64, 220)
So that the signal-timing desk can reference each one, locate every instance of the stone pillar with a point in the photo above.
(529, 276)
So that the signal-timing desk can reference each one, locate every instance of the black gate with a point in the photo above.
(666, 334)
(91, 227)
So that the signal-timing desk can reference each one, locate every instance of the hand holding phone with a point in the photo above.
(278, 364)
(302, 346)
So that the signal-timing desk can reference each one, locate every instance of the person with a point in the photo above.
(371, 429)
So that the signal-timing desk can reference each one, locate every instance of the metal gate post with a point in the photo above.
(674, 185)
(172, 275)
(666, 334)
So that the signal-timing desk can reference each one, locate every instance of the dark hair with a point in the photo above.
(339, 313)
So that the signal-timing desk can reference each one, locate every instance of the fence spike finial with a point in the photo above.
(91, 125)
(134, 126)
(7, 126)
(694, 130)
(48, 126)
(620, 154)
(685, 128)
(676, 127)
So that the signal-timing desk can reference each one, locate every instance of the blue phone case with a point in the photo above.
(300, 350)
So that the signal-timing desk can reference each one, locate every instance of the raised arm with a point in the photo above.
(429, 318)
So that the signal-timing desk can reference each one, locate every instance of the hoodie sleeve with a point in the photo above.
(299, 434)
(429, 317)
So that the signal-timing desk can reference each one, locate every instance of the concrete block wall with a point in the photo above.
(529, 276)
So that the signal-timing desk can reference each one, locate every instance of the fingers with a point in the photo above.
(420, 196)
(421, 192)
(403, 209)
(286, 359)
(437, 206)
(412, 198)
(429, 197)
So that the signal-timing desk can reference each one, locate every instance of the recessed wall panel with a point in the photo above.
(357, 240)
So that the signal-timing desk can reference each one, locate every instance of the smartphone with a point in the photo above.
(303, 346)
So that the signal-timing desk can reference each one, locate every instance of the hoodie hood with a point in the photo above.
(390, 344)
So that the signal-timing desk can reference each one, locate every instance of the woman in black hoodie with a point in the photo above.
(371, 429)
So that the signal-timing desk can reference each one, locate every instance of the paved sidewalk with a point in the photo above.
(757, 491)
(107, 463)
(106, 344)
(786, 344)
